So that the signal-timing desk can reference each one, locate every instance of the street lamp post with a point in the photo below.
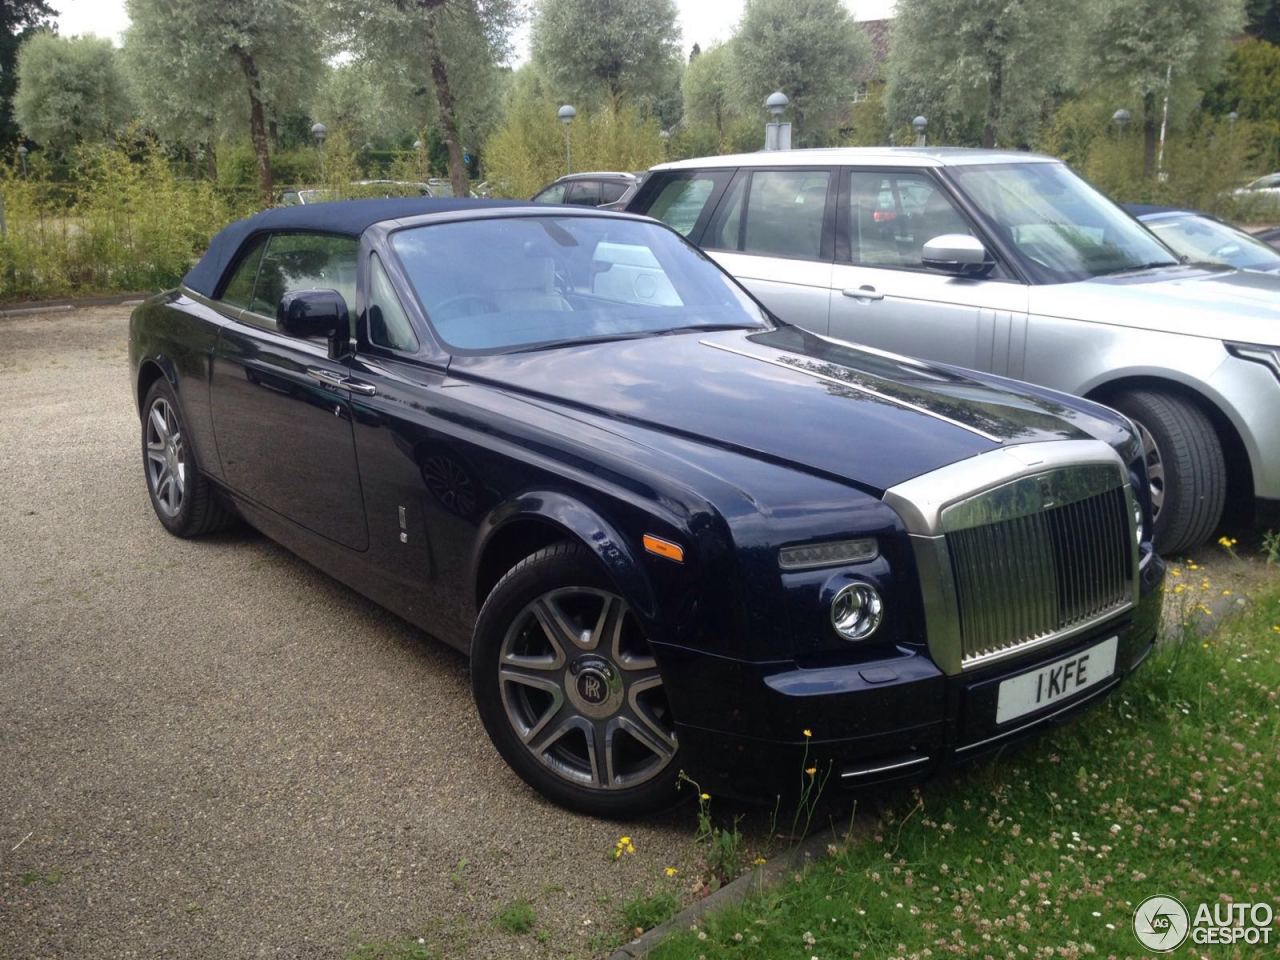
(319, 131)
(565, 115)
(920, 124)
(22, 156)
(1121, 119)
(777, 135)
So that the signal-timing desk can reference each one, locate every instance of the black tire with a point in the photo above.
(557, 572)
(1188, 471)
(195, 508)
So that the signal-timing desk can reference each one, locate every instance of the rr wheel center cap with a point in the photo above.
(594, 686)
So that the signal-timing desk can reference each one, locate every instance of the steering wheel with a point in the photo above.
(464, 305)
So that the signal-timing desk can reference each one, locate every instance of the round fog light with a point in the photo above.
(1137, 521)
(856, 611)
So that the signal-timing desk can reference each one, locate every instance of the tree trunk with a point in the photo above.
(995, 95)
(1148, 134)
(257, 124)
(448, 111)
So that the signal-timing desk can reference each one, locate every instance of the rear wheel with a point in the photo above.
(183, 499)
(568, 688)
(1186, 468)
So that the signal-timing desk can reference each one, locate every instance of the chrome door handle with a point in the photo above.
(331, 379)
(865, 292)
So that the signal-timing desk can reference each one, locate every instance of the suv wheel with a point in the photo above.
(1186, 469)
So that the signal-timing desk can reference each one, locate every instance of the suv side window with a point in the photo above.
(584, 193)
(552, 194)
(776, 213)
(680, 200)
(893, 215)
(303, 261)
(611, 191)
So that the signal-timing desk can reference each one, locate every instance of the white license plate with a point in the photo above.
(1057, 681)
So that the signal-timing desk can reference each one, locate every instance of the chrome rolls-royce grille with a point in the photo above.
(1035, 575)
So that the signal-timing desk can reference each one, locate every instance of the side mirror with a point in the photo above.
(957, 253)
(315, 313)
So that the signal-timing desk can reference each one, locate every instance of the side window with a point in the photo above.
(553, 194)
(611, 191)
(784, 211)
(893, 215)
(680, 201)
(584, 193)
(239, 289)
(389, 325)
(304, 261)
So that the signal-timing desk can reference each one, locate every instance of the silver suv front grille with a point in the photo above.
(1029, 577)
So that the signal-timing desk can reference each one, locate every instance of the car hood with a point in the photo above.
(791, 397)
(1216, 302)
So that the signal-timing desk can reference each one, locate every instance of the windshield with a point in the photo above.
(1205, 240)
(1063, 228)
(511, 283)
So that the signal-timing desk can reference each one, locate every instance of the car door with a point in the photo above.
(883, 296)
(774, 231)
(281, 406)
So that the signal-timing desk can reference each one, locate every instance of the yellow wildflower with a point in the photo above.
(808, 732)
(704, 796)
(811, 771)
(670, 871)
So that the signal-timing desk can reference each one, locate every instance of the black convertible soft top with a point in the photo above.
(347, 217)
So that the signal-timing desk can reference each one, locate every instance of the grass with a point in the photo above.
(641, 913)
(1172, 786)
(516, 917)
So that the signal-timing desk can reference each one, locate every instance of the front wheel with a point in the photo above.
(569, 691)
(183, 499)
(1186, 469)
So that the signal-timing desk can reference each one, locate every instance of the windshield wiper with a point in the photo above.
(1136, 268)
(577, 341)
(707, 328)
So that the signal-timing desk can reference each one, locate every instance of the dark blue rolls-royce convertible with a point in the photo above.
(671, 531)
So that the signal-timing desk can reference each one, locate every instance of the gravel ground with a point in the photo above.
(210, 749)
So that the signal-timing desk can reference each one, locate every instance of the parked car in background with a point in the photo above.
(1261, 196)
(1271, 237)
(537, 433)
(357, 190)
(1203, 238)
(1009, 263)
(606, 189)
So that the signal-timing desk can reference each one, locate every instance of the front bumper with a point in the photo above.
(741, 725)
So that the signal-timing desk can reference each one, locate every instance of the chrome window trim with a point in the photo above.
(923, 502)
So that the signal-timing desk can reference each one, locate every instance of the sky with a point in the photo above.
(701, 21)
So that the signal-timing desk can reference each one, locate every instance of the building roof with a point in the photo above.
(344, 217)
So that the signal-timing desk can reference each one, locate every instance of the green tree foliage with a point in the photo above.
(1250, 86)
(355, 100)
(438, 60)
(623, 48)
(69, 91)
(528, 150)
(811, 50)
(243, 58)
(988, 65)
(1135, 45)
(709, 97)
(19, 19)
(1263, 19)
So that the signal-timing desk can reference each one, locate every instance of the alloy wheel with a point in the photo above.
(166, 459)
(1155, 469)
(582, 691)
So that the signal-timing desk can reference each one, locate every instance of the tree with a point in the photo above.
(19, 19)
(69, 91)
(258, 59)
(625, 48)
(1263, 19)
(997, 60)
(708, 92)
(811, 50)
(1138, 45)
(459, 41)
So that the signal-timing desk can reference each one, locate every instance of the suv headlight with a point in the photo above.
(1269, 357)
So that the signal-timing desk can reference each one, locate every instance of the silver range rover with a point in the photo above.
(1009, 263)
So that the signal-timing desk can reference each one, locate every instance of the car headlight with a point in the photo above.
(1257, 353)
(835, 553)
(1137, 521)
(856, 611)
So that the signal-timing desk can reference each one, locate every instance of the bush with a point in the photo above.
(124, 225)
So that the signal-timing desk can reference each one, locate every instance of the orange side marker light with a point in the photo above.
(664, 548)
